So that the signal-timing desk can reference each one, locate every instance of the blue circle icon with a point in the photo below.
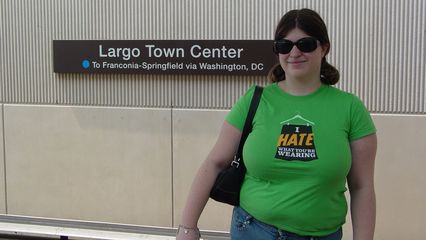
(85, 64)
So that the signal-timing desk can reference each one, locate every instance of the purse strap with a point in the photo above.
(248, 125)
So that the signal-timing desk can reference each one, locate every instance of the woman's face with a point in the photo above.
(299, 64)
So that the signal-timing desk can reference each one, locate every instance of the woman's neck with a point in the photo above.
(299, 87)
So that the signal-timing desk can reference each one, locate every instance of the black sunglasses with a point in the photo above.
(284, 46)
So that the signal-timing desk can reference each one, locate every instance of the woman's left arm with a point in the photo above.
(361, 187)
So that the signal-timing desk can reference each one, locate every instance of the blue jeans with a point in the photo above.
(246, 227)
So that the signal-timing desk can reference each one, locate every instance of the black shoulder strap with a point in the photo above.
(248, 124)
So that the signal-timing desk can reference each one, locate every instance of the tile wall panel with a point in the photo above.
(97, 164)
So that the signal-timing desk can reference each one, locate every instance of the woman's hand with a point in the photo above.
(185, 233)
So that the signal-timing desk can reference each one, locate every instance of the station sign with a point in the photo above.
(230, 57)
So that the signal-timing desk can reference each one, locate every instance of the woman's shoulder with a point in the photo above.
(249, 92)
(269, 86)
(345, 98)
(337, 92)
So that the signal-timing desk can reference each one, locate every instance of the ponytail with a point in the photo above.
(276, 73)
(329, 74)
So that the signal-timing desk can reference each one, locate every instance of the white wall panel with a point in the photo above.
(89, 163)
(379, 46)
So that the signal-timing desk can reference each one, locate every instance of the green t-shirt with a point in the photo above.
(298, 156)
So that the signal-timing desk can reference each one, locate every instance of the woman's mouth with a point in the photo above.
(296, 62)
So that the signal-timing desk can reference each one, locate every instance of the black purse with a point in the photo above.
(227, 186)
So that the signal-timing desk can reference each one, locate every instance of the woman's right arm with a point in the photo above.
(218, 159)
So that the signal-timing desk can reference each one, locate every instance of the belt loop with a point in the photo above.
(281, 236)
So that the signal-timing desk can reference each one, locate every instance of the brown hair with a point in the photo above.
(312, 24)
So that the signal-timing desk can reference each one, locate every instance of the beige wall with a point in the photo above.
(400, 177)
(132, 165)
(103, 164)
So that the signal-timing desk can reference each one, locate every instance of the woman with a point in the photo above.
(308, 138)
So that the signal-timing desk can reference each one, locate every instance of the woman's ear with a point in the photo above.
(325, 48)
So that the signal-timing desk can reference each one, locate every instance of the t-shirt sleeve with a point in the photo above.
(237, 116)
(361, 122)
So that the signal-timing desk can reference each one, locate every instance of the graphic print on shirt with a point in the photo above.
(296, 141)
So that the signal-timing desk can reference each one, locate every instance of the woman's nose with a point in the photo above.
(295, 52)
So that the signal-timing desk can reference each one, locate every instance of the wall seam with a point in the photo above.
(172, 167)
(4, 160)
